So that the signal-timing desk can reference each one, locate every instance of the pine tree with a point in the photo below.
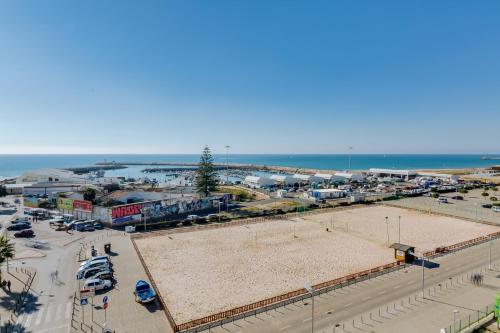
(206, 178)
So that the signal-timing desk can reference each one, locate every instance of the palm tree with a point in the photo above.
(7, 251)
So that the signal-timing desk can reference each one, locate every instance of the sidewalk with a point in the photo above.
(415, 314)
(123, 313)
(18, 277)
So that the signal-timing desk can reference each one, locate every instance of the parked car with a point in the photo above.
(25, 233)
(96, 258)
(88, 227)
(487, 206)
(91, 272)
(94, 263)
(98, 226)
(19, 220)
(457, 197)
(193, 218)
(104, 274)
(19, 226)
(36, 244)
(496, 209)
(212, 217)
(96, 284)
(442, 200)
(143, 292)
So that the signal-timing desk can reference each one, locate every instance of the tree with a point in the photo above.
(485, 194)
(463, 191)
(493, 198)
(89, 194)
(3, 191)
(7, 251)
(206, 178)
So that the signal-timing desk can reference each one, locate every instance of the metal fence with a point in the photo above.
(471, 319)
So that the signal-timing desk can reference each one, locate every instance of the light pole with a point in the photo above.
(310, 290)
(387, 225)
(455, 311)
(227, 163)
(219, 210)
(350, 152)
(399, 229)
(423, 275)
(489, 265)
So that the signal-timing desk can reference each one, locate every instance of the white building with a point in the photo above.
(286, 180)
(440, 176)
(51, 176)
(392, 173)
(307, 179)
(258, 181)
(328, 193)
(324, 177)
(349, 177)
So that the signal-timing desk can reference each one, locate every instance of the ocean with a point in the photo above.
(14, 165)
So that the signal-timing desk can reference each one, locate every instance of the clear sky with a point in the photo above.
(265, 76)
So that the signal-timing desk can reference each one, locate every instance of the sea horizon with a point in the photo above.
(12, 165)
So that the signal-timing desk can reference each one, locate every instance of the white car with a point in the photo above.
(442, 200)
(93, 264)
(96, 284)
(496, 209)
(95, 259)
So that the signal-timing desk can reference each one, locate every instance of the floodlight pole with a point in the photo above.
(489, 265)
(399, 229)
(227, 163)
(387, 225)
(423, 275)
(310, 290)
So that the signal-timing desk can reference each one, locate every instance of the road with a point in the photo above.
(342, 305)
(49, 304)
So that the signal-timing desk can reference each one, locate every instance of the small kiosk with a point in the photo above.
(403, 253)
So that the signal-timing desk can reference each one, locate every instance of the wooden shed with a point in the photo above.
(404, 253)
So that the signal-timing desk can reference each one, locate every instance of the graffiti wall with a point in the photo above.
(160, 210)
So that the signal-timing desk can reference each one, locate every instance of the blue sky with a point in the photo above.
(262, 76)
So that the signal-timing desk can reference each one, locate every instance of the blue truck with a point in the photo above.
(143, 292)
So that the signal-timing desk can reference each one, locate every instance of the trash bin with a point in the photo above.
(107, 248)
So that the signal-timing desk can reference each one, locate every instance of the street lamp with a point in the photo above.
(455, 311)
(387, 225)
(399, 229)
(310, 290)
(423, 276)
(490, 241)
(227, 163)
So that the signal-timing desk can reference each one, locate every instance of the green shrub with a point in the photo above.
(493, 198)
(435, 195)
(485, 194)
(463, 190)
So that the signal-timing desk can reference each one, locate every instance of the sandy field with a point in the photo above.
(424, 231)
(206, 272)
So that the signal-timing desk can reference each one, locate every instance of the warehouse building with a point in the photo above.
(258, 182)
(392, 173)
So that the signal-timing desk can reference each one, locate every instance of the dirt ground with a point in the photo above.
(205, 272)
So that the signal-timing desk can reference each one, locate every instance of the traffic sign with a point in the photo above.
(84, 301)
(105, 306)
(105, 299)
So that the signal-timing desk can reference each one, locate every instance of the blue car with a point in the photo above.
(143, 292)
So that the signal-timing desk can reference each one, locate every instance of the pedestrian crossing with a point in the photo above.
(49, 315)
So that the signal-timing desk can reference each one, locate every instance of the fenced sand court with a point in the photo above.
(209, 271)
(424, 231)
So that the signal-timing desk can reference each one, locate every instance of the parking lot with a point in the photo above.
(470, 207)
(124, 314)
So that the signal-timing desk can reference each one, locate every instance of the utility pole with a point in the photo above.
(399, 229)
(489, 265)
(423, 275)
(350, 156)
(227, 163)
(387, 227)
(310, 290)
